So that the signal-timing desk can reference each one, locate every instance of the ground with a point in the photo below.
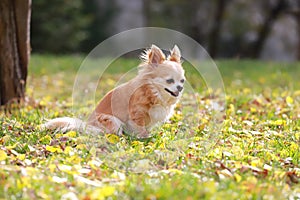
(250, 151)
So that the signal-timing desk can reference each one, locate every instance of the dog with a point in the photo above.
(139, 104)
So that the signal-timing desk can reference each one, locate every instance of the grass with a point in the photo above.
(253, 155)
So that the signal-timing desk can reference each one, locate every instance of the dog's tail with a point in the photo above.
(65, 124)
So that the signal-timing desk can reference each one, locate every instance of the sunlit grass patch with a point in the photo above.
(253, 155)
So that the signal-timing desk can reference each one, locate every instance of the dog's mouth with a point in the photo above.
(174, 94)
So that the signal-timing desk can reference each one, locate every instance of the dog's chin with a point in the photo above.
(174, 94)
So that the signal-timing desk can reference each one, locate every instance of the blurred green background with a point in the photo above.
(268, 29)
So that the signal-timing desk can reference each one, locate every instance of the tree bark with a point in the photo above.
(14, 48)
(214, 35)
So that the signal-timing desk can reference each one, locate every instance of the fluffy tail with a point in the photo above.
(69, 124)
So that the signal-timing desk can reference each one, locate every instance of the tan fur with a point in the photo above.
(141, 103)
(149, 98)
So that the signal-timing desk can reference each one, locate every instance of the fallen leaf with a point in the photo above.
(3, 155)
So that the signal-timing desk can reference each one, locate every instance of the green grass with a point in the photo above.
(253, 155)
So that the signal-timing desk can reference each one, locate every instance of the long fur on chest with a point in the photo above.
(147, 106)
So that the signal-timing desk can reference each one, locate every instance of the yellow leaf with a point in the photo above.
(56, 114)
(58, 135)
(175, 171)
(289, 100)
(43, 103)
(252, 110)
(238, 164)
(112, 138)
(294, 147)
(81, 146)
(102, 193)
(237, 177)
(210, 187)
(74, 159)
(52, 167)
(108, 191)
(166, 126)
(279, 122)
(53, 149)
(231, 109)
(3, 155)
(177, 116)
(68, 149)
(71, 134)
(284, 153)
(270, 156)
(23, 182)
(204, 121)
(111, 82)
(136, 143)
(12, 146)
(173, 130)
(246, 90)
(297, 136)
(21, 156)
(279, 174)
(256, 163)
(30, 171)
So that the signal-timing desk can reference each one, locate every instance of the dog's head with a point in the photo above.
(167, 74)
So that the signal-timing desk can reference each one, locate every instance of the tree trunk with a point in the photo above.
(255, 50)
(214, 35)
(294, 11)
(194, 30)
(297, 15)
(298, 22)
(14, 48)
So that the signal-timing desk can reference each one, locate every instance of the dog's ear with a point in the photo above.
(154, 55)
(175, 54)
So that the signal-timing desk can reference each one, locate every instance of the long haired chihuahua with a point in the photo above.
(137, 105)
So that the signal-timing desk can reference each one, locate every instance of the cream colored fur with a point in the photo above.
(141, 103)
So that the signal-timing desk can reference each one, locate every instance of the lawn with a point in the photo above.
(253, 153)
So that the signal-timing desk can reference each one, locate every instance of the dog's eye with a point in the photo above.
(182, 80)
(170, 81)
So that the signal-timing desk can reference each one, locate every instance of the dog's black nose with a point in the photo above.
(179, 88)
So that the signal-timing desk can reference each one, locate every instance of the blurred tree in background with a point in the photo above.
(64, 26)
(228, 28)
(266, 29)
(100, 14)
(58, 26)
